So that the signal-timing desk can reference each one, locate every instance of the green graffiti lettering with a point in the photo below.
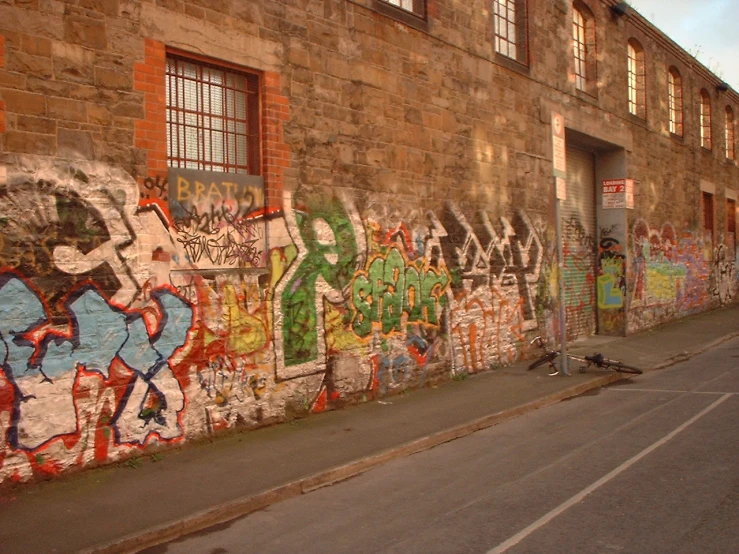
(331, 245)
(392, 298)
(392, 288)
(362, 301)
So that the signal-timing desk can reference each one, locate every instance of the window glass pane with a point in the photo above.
(729, 134)
(407, 5)
(505, 26)
(211, 120)
(580, 51)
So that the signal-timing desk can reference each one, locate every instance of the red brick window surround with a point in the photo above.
(675, 101)
(637, 79)
(509, 28)
(705, 113)
(212, 117)
(731, 222)
(730, 146)
(151, 132)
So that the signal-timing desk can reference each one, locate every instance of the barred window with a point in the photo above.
(729, 134)
(637, 79)
(212, 117)
(705, 119)
(509, 24)
(417, 7)
(675, 101)
(580, 49)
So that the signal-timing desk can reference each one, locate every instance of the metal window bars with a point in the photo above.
(212, 117)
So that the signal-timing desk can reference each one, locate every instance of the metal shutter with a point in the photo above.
(578, 234)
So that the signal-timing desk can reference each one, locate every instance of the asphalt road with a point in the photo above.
(647, 466)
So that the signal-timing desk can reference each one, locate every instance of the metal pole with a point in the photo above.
(561, 265)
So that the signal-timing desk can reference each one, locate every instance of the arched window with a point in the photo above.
(729, 134)
(637, 79)
(675, 101)
(509, 21)
(583, 47)
(580, 49)
(705, 119)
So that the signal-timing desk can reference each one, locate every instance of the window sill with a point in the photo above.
(677, 138)
(411, 19)
(587, 96)
(640, 121)
(513, 65)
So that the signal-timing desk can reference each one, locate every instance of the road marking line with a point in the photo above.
(676, 391)
(518, 537)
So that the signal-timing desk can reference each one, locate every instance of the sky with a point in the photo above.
(705, 28)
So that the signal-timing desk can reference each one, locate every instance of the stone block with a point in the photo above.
(34, 124)
(30, 143)
(115, 80)
(67, 109)
(85, 31)
(27, 64)
(24, 102)
(74, 144)
(108, 7)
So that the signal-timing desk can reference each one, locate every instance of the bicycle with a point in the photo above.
(597, 360)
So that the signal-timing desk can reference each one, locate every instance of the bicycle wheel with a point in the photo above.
(623, 368)
(545, 359)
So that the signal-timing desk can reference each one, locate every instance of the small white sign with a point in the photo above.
(559, 159)
(561, 188)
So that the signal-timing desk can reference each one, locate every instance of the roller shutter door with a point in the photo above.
(578, 234)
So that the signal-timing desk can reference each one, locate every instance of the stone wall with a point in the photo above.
(402, 233)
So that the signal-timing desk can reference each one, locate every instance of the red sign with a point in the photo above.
(618, 193)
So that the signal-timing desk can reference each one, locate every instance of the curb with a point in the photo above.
(243, 506)
(240, 507)
(687, 355)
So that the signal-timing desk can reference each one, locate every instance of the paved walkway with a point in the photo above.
(122, 509)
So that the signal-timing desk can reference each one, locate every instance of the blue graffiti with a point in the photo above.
(100, 333)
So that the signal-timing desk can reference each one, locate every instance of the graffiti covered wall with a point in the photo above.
(116, 337)
(400, 231)
(676, 273)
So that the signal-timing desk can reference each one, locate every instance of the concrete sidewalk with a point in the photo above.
(123, 508)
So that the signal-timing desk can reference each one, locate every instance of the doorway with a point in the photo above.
(579, 235)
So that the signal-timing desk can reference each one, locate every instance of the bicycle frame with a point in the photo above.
(597, 360)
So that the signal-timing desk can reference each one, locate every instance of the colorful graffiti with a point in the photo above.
(42, 364)
(578, 273)
(328, 235)
(135, 316)
(723, 279)
(86, 225)
(393, 291)
(90, 327)
(494, 286)
(611, 275)
(216, 217)
(676, 274)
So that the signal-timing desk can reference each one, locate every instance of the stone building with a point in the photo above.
(231, 213)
